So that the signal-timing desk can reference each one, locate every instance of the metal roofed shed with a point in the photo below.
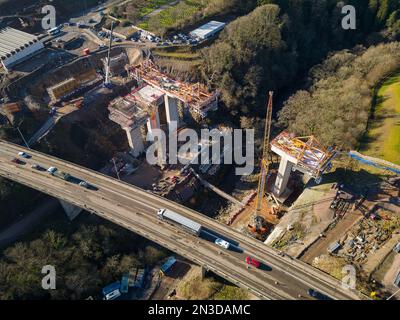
(17, 46)
(208, 30)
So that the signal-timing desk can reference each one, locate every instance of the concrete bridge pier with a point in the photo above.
(154, 122)
(203, 273)
(282, 179)
(171, 110)
(135, 140)
(70, 210)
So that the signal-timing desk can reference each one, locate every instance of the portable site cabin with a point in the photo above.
(112, 291)
(124, 283)
(168, 265)
(333, 248)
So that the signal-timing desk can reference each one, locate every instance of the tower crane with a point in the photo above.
(257, 218)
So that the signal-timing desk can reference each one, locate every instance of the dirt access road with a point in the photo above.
(321, 246)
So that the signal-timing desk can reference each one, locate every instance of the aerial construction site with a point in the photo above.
(89, 103)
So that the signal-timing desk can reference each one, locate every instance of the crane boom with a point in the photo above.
(265, 153)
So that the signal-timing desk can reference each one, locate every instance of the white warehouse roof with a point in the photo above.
(13, 41)
(208, 30)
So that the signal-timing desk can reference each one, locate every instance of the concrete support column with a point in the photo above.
(282, 178)
(70, 210)
(154, 121)
(152, 124)
(135, 140)
(171, 110)
(203, 272)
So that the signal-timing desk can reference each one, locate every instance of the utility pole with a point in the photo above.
(116, 170)
(22, 136)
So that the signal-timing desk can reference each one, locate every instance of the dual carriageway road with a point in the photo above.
(279, 278)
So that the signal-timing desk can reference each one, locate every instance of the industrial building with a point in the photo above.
(208, 30)
(17, 46)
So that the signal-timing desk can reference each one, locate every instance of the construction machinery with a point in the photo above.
(257, 225)
(107, 81)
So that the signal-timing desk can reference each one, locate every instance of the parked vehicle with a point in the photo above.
(318, 295)
(252, 261)
(222, 243)
(17, 161)
(24, 155)
(187, 224)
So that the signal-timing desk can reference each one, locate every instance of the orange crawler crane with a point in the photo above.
(258, 221)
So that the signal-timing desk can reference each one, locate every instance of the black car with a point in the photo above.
(318, 295)
(38, 167)
(18, 161)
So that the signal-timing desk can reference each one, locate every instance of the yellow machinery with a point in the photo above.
(257, 218)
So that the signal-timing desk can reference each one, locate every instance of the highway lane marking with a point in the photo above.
(113, 219)
(129, 198)
(213, 227)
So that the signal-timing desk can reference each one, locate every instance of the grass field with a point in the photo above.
(173, 15)
(177, 55)
(153, 5)
(383, 137)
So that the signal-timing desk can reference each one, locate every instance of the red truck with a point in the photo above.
(86, 51)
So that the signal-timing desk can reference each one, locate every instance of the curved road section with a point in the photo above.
(278, 278)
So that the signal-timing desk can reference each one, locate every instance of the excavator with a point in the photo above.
(257, 225)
